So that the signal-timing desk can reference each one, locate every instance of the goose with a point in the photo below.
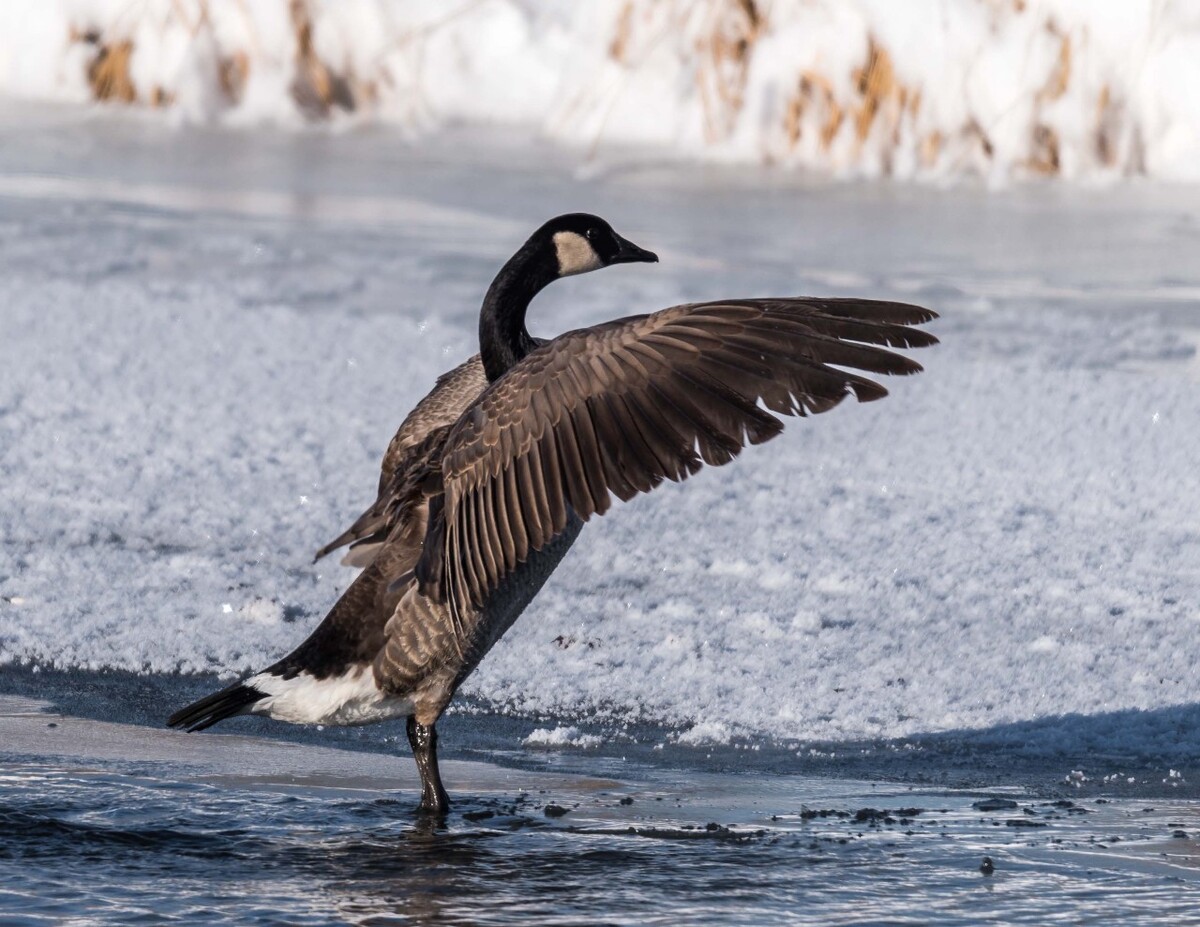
(489, 480)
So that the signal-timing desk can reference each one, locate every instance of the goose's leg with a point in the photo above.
(423, 740)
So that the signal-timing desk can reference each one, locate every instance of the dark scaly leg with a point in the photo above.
(423, 740)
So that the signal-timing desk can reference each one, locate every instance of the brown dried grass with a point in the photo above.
(976, 131)
(877, 91)
(618, 48)
(1106, 128)
(727, 50)
(931, 148)
(108, 74)
(231, 75)
(1045, 144)
(316, 89)
(813, 90)
(876, 82)
(1045, 157)
(1060, 77)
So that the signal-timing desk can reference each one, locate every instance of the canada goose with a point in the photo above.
(488, 482)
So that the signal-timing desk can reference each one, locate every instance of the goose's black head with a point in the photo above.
(578, 242)
(571, 244)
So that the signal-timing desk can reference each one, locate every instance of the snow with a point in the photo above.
(705, 733)
(561, 736)
(193, 399)
(926, 89)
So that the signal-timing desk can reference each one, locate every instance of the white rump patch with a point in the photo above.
(361, 555)
(575, 254)
(352, 698)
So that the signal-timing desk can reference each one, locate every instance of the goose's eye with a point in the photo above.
(590, 234)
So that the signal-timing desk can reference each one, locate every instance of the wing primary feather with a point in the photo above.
(430, 569)
(574, 478)
(753, 424)
(642, 467)
(486, 571)
(879, 310)
(716, 448)
(504, 533)
(824, 349)
(505, 552)
(454, 579)
(541, 503)
(679, 444)
(528, 496)
(589, 454)
(663, 444)
(894, 336)
(493, 558)
(552, 480)
(516, 519)
(468, 546)
(770, 389)
(612, 445)
(808, 380)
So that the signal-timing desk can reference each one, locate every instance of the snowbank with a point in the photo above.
(929, 89)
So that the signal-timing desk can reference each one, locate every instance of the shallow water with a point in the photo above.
(247, 831)
(989, 594)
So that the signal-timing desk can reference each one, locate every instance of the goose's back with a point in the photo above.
(450, 397)
(453, 393)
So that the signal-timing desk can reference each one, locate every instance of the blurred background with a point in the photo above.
(927, 89)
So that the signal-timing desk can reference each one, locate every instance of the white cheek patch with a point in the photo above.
(575, 254)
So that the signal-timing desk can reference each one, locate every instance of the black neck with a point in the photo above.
(503, 340)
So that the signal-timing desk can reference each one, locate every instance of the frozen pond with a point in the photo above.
(985, 586)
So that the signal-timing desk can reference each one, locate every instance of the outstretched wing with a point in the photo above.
(618, 408)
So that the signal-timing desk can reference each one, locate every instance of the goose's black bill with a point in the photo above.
(629, 253)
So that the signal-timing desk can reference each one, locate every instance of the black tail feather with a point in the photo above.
(370, 527)
(216, 707)
(344, 538)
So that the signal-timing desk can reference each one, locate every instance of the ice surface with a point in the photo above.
(194, 397)
(864, 88)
